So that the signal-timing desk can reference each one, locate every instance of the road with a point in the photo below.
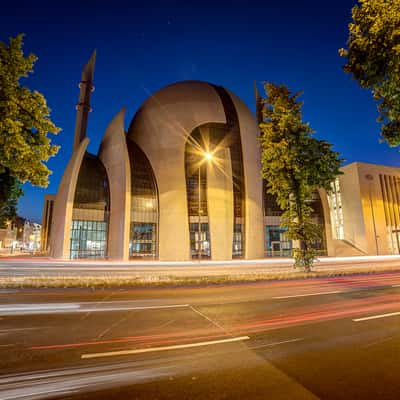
(336, 338)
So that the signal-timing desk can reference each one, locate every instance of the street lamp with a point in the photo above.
(207, 156)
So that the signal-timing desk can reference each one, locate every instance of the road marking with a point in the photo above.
(307, 294)
(164, 348)
(207, 318)
(376, 316)
(395, 285)
(277, 343)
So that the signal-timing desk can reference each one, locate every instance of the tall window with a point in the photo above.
(196, 191)
(143, 238)
(390, 187)
(232, 136)
(90, 215)
(336, 210)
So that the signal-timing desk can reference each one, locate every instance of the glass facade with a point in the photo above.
(209, 137)
(90, 215)
(196, 190)
(200, 241)
(88, 239)
(143, 238)
(336, 210)
(276, 242)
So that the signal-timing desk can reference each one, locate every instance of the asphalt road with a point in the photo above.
(336, 338)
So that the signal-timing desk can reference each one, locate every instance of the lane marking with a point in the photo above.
(164, 348)
(208, 319)
(308, 294)
(395, 285)
(277, 343)
(376, 316)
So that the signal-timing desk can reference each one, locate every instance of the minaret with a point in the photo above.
(83, 107)
(259, 105)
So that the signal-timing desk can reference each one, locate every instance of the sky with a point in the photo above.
(144, 46)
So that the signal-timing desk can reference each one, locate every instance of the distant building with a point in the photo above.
(8, 236)
(365, 210)
(184, 183)
(47, 219)
(31, 236)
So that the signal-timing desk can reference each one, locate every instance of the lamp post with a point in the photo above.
(207, 156)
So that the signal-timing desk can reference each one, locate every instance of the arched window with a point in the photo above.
(196, 191)
(143, 237)
(90, 215)
(208, 137)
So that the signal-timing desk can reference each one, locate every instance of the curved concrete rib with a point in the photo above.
(161, 128)
(61, 225)
(254, 226)
(113, 153)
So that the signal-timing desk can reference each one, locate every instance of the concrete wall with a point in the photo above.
(354, 228)
(113, 153)
(251, 150)
(373, 205)
(365, 230)
(62, 213)
(47, 218)
(220, 205)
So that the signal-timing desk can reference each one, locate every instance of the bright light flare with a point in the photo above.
(208, 156)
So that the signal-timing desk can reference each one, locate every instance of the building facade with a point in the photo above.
(183, 182)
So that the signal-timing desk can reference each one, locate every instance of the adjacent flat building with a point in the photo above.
(183, 182)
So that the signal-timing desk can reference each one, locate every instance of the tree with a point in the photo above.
(373, 58)
(294, 165)
(10, 192)
(24, 119)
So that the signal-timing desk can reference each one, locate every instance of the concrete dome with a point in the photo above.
(161, 128)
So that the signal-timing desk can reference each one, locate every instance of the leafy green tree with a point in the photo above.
(294, 165)
(10, 192)
(373, 58)
(24, 119)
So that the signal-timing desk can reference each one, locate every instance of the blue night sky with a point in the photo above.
(144, 46)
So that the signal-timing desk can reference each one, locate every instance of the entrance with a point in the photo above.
(200, 241)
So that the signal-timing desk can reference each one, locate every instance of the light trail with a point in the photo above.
(307, 295)
(63, 308)
(376, 317)
(164, 348)
(132, 265)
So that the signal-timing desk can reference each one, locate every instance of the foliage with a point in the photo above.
(373, 58)
(10, 192)
(294, 165)
(24, 119)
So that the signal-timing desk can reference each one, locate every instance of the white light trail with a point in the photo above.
(62, 308)
(376, 316)
(164, 348)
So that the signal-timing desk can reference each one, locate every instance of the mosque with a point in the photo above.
(184, 182)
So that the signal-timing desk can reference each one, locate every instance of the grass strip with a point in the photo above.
(99, 282)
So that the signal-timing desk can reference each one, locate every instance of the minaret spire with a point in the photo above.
(259, 105)
(83, 107)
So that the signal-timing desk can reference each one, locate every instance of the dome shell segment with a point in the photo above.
(161, 128)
